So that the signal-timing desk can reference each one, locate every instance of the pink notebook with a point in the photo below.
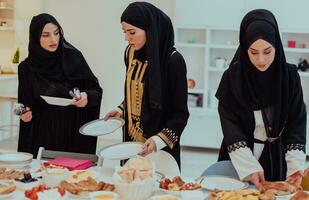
(70, 163)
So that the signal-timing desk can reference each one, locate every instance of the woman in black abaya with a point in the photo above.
(53, 68)
(261, 106)
(155, 104)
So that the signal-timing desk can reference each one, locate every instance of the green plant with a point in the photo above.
(16, 56)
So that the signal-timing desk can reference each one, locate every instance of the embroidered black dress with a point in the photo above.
(156, 85)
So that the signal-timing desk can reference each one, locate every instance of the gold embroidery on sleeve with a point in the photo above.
(169, 137)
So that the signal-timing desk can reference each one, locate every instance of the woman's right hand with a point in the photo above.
(27, 116)
(257, 179)
(113, 113)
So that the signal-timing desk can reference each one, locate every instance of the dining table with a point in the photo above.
(106, 173)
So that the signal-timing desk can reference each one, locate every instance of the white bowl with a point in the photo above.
(53, 178)
(26, 186)
(105, 195)
(135, 191)
(165, 197)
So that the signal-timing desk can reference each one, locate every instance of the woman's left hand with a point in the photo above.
(82, 102)
(148, 147)
(295, 178)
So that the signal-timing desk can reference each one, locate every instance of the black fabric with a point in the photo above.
(283, 113)
(55, 127)
(251, 88)
(160, 45)
(174, 114)
(66, 61)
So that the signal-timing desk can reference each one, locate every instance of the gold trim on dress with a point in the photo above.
(169, 137)
(134, 94)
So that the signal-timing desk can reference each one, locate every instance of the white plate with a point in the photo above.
(164, 196)
(7, 196)
(15, 158)
(283, 197)
(121, 151)
(74, 196)
(178, 193)
(169, 167)
(57, 101)
(222, 183)
(100, 127)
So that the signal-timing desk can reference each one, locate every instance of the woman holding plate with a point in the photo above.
(53, 68)
(155, 104)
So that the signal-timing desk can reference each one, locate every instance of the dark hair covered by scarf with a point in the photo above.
(160, 44)
(65, 63)
(243, 86)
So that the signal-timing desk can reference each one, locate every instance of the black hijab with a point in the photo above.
(245, 87)
(65, 63)
(159, 43)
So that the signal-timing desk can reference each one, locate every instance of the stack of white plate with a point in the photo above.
(15, 159)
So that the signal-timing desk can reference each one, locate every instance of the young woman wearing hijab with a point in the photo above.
(155, 103)
(261, 106)
(53, 68)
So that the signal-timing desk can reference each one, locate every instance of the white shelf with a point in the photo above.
(196, 91)
(6, 8)
(222, 46)
(215, 69)
(296, 50)
(303, 74)
(211, 43)
(6, 28)
(8, 76)
(198, 45)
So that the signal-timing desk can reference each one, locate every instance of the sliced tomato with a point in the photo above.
(61, 191)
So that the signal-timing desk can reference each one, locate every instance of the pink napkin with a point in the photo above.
(70, 163)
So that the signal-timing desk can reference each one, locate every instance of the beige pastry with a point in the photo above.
(140, 163)
(143, 174)
(126, 174)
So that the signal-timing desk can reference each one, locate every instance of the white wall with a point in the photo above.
(93, 26)
(291, 15)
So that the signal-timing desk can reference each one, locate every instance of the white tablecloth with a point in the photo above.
(104, 174)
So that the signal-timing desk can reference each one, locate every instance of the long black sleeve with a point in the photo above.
(178, 113)
(294, 136)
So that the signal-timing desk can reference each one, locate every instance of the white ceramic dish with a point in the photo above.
(135, 191)
(79, 175)
(169, 167)
(121, 151)
(283, 197)
(7, 196)
(15, 158)
(53, 177)
(83, 196)
(222, 183)
(109, 195)
(100, 127)
(7, 182)
(165, 197)
(27, 186)
(178, 193)
(57, 101)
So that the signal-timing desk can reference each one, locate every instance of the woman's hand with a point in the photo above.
(82, 102)
(113, 113)
(257, 179)
(148, 147)
(27, 116)
(295, 178)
